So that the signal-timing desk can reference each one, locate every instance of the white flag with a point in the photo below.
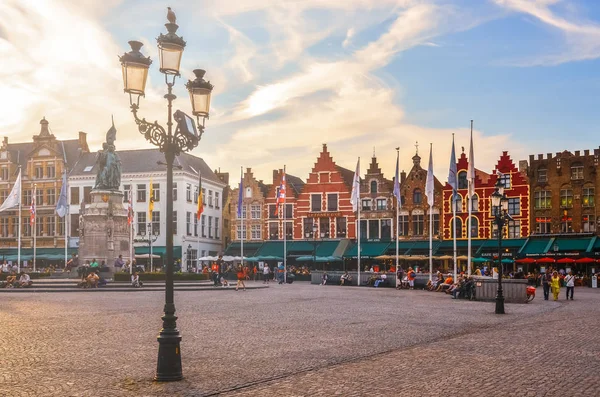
(355, 198)
(429, 185)
(14, 198)
(397, 181)
(471, 169)
(62, 206)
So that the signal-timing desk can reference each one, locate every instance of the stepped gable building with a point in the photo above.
(563, 192)
(325, 201)
(253, 202)
(413, 219)
(516, 187)
(377, 204)
(42, 162)
(274, 227)
(227, 213)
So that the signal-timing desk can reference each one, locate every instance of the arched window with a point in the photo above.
(462, 180)
(417, 196)
(373, 186)
(456, 228)
(474, 203)
(474, 227)
(458, 201)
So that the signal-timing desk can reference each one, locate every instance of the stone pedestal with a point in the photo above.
(103, 228)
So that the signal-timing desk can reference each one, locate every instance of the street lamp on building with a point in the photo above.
(315, 228)
(501, 217)
(188, 255)
(185, 137)
(152, 237)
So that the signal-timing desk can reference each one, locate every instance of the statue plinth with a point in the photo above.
(103, 228)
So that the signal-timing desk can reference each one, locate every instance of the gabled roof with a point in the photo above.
(347, 175)
(297, 184)
(68, 149)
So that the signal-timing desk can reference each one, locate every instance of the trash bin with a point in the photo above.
(290, 278)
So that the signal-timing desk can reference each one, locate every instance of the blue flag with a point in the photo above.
(240, 195)
(452, 176)
(397, 180)
(62, 205)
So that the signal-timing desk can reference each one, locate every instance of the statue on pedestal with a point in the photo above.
(108, 176)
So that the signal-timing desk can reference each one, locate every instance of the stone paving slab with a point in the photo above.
(299, 340)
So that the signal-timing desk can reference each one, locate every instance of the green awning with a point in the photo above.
(270, 248)
(367, 250)
(250, 248)
(326, 248)
(422, 247)
(158, 250)
(572, 244)
(321, 259)
(536, 246)
(403, 247)
(492, 244)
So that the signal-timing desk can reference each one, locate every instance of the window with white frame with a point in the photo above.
(239, 232)
(588, 223)
(505, 181)
(577, 172)
(256, 235)
(255, 211)
(210, 199)
(315, 202)
(141, 223)
(188, 192)
(217, 202)
(188, 223)
(217, 235)
(141, 193)
(514, 228)
(514, 206)
(381, 204)
(210, 219)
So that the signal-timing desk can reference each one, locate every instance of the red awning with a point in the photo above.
(525, 260)
(545, 260)
(585, 260)
(566, 260)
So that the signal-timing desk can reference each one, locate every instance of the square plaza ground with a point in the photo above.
(300, 340)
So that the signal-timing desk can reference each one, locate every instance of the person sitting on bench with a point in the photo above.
(135, 280)
(381, 279)
(25, 280)
(92, 279)
(345, 279)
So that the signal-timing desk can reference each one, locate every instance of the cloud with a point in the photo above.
(582, 38)
(348, 40)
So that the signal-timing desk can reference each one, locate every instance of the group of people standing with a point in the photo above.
(551, 282)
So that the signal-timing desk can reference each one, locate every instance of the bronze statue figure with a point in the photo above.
(108, 176)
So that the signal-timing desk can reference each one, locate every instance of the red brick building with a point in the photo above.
(274, 227)
(516, 186)
(325, 200)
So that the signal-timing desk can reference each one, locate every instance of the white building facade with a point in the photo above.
(144, 177)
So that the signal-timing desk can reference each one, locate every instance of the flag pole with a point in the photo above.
(65, 223)
(454, 230)
(284, 232)
(358, 204)
(397, 184)
(34, 224)
(20, 220)
(470, 203)
(131, 215)
(430, 218)
(241, 210)
(198, 220)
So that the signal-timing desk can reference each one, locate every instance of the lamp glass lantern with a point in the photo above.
(200, 92)
(170, 50)
(135, 66)
(496, 197)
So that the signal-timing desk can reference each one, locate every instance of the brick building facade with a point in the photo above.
(563, 189)
(516, 186)
(413, 219)
(274, 221)
(253, 203)
(325, 200)
(42, 162)
(378, 209)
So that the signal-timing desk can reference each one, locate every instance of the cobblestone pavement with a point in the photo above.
(300, 340)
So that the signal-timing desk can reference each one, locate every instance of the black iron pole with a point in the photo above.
(499, 293)
(168, 367)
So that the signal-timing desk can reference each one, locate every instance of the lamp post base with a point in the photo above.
(168, 367)
(500, 304)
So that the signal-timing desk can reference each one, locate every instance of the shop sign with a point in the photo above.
(324, 214)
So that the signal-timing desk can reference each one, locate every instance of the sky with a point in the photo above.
(363, 76)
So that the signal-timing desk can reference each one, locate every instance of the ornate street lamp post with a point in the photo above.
(501, 216)
(186, 137)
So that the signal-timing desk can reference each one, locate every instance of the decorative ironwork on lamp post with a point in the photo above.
(501, 217)
(185, 137)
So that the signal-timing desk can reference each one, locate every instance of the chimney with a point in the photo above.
(402, 176)
(540, 156)
(523, 166)
(5, 143)
(586, 152)
(83, 142)
(577, 153)
(549, 156)
(275, 175)
(531, 158)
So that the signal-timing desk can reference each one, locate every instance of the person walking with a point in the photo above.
(241, 276)
(570, 283)
(266, 274)
(555, 285)
(546, 279)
